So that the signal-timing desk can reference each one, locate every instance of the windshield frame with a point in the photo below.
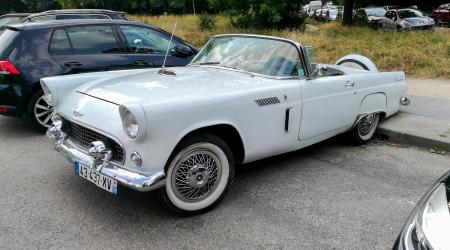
(300, 50)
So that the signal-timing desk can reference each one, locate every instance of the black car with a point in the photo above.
(31, 51)
(76, 14)
(428, 226)
(12, 19)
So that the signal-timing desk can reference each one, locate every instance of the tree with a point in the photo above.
(347, 18)
(40, 5)
(266, 14)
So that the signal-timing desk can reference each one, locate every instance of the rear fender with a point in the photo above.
(373, 103)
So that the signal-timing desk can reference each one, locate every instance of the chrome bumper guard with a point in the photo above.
(98, 159)
(404, 101)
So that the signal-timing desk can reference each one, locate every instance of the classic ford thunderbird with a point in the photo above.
(183, 130)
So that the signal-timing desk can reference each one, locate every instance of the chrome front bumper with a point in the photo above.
(127, 178)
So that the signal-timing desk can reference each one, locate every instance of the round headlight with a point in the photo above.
(130, 125)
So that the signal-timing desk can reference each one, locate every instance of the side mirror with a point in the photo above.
(183, 50)
(320, 70)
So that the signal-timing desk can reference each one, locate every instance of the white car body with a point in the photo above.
(169, 108)
(393, 21)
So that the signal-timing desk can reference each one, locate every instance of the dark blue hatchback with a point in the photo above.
(31, 51)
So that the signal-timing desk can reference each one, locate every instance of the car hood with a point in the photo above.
(148, 85)
(417, 21)
(374, 18)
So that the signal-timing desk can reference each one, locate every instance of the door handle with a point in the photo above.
(349, 84)
(73, 64)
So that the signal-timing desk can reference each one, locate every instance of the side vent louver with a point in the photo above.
(267, 101)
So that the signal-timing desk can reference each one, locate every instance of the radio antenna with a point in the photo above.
(163, 70)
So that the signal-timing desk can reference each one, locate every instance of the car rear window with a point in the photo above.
(6, 42)
(84, 40)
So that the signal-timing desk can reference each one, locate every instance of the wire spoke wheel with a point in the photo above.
(366, 124)
(43, 112)
(196, 175)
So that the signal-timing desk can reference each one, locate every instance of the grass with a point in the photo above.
(419, 54)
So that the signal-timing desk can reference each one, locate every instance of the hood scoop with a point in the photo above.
(167, 72)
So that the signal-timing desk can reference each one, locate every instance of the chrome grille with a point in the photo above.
(83, 137)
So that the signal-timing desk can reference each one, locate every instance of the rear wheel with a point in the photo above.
(365, 129)
(39, 112)
(198, 176)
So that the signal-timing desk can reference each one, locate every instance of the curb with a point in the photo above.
(415, 140)
(416, 130)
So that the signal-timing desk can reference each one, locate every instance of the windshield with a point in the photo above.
(409, 13)
(253, 54)
(375, 12)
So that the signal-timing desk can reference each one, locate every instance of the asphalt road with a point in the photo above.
(330, 195)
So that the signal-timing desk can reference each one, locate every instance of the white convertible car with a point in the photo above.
(183, 130)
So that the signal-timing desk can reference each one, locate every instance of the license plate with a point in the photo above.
(97, 178)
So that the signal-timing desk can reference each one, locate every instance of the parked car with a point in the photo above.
(369, 16)
(184, 129)
(76, 14)
(324, 14)
(313, 6)
(11, 19)
(318, 14)
(441, 15)
(333, 15)
(405, 20)
(31, 51)
(429, 224)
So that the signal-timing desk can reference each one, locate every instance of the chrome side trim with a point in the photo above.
(267, 101)
(127, 178)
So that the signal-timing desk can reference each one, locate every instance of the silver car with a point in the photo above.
(406, 20)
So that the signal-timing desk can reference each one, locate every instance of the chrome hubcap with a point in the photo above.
(196, 176)
(43, 112)
(366, 124)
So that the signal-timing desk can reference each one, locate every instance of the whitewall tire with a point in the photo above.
(198, 175)
(365, 129)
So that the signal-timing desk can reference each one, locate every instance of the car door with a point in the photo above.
(90, 48)
(387, 20)
(147, 47)
(330, 106)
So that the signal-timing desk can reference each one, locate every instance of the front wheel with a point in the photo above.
(39, 112)
(199, 175)
(365, 129)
